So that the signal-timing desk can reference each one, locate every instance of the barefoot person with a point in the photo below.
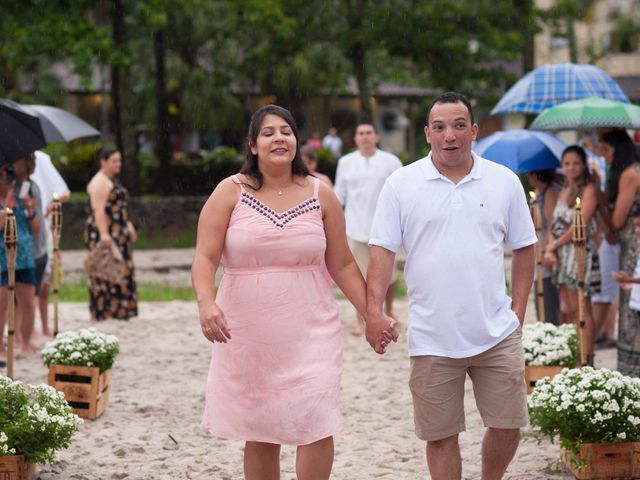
(359, 179)
(277, 346)
(452, 211)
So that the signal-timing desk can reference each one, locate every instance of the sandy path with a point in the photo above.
(157, 393)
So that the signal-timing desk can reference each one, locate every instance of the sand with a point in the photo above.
(150, 429)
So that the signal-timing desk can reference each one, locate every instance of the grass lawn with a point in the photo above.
(147, 292)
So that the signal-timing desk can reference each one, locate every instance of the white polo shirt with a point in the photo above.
(358, 184)
(453, 236)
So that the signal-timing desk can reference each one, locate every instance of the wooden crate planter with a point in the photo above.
(602, 461)
(13, 467)
(85, 388)
(534, 373)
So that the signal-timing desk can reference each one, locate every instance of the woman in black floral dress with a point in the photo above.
(108, 223)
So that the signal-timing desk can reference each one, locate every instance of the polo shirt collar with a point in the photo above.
(432, 173)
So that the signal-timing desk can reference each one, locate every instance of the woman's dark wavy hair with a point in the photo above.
(586, 177)
(103, 153)
(250, 165)
(624, 155)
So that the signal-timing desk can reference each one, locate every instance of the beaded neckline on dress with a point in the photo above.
(280, 219)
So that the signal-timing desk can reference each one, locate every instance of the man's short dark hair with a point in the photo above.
(370, 124)
(450, 97)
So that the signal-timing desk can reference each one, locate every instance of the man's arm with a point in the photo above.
(379, 274)
(522, 265)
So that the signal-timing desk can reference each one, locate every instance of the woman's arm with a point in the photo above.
(132, 231)
(31, 204)
(338, 256)
(99, 189)
(212, 229)
(627, 188)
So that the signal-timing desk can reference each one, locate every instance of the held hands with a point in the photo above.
(380, 330)
(213, 324)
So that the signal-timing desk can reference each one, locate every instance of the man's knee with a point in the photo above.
(443, 443)
(504, 434)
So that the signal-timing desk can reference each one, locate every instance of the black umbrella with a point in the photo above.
(20, 133)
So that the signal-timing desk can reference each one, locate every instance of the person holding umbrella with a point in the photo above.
(27, 222)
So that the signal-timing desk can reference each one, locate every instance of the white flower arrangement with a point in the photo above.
(84, 348)
(587, 405)
(548, 345)
(35, 421)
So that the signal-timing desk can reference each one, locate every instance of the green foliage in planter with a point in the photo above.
(587, 405)
(83, 348)
(35, 421)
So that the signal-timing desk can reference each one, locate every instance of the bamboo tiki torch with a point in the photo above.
(11, 246)
(56, 231)
(537, 222)
(579, 231)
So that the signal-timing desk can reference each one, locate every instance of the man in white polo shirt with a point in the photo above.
(359, 178)
(452, 212)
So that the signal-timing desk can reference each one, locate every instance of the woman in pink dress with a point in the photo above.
(277, 346)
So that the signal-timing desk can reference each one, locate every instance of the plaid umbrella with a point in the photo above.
(588, 113)
(550, 85)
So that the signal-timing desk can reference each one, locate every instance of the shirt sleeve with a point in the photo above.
(386, 230)
(340, 187)
(520, 229)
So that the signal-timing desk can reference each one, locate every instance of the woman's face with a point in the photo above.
(572, 165)
(607, 152)
(111, 166)
(276, 144)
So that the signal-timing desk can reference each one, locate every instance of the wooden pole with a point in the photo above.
(11, 247)
(579, 231)
(537, 222)
(56, 231)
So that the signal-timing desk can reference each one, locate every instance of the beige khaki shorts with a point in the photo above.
(362, 252)
(437, 387)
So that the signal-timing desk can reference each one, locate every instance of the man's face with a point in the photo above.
(366, 137)
(450, 133)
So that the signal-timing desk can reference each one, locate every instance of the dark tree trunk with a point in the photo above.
(163, 140)
(357, 56)
(123, 123)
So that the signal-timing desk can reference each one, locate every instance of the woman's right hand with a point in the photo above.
(106, 241)
(213, 324)
(549, 259)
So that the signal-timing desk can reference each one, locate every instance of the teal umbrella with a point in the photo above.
(588, 113)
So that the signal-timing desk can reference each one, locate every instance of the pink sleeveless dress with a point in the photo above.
(278, 379)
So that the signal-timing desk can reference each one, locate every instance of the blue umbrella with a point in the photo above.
(522, 150)
(550, 85)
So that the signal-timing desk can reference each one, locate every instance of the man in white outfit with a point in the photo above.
(332, 141)
(359, 178)
(452, 211)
